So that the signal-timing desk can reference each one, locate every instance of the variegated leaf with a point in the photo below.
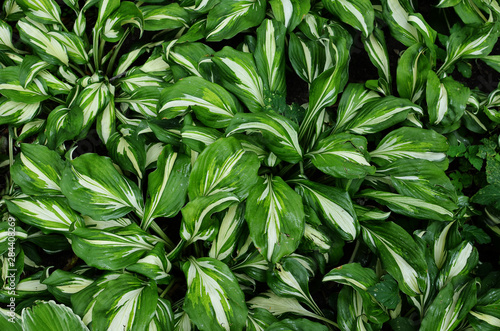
(270, 55)
(154, 265)
(396, 15)
(143, 100)
(259, 319)
(94, 187)
(358, 13)
(165, 17)
(113, 249)
(275, 217)
(198, 137)
(49, 214)
(212, 104)
(412, 70)
(11, 87)
(63, 124)
(37, 170)
(43, 11)
(6, 37)
(279, 133)
(92, 100)
(290, 12)
(308, 57)
(125, 303)
(30, 68)
(342, 155)
(106, 121)
(127, 13)
(230, 17)
(240, 77)
(50, 316)
(459, 261)
(409, 206)
(63, 284)
(352, 100)
(136, 79)
(190, 57)
(352, 274)
(333, 206)
(399, 254)
(350, 310)
(410, 143)
(128, 150)
(74, 46)
(229, 232)
(171, 175)
(223, 167)
(376, 48)
(164, 316)
(214, 300)
(17, 113)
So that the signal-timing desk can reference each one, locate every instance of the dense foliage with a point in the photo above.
(250, 164)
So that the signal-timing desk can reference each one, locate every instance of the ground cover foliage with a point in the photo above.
(251, 164)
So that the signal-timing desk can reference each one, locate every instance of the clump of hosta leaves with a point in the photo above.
(208, 201)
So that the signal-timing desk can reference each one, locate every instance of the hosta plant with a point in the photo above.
(251, 164)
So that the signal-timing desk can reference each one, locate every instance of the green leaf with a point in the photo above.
(126, 303)
(380, 114)
(410, 143)
(358, 14)
(451, 305)
(396, 15)
(43, 11)
(352, 100)
(49, 315)
(239, 76)
(296, 325)
(270, 55)
(282, 13)
(49, 214)
(63, 124)
(171, 175)
(30, 68)
(154, 265)
(164, 316)
(127, 13)
(279, 133)
(229, 18)
(214, 300)
(275, 217)
(168, 17)
(223, 167)
(376, 48)
(230, 229)
(212, 104)
(342, 155)
(350, 310)
(74, 45)
(37, 170)
(17, 113)
(460, 261)
(113, 249)
(333, 205)
(6, 37)
(352, 274)
(63, 284)
(11, 87)
(94, 187)
(128, 150)
(493, 61)
(399, 254)
(386, 292)
(412, 72)
(190, 56)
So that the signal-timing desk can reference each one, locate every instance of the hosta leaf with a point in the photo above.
(189, 56)
(63, 284)
(353, 98)
(279, 133)
(62, 124)
(49, 315)
(127, 148)
(451, 305)
(6, 37)
(223, 167)
(136, 79)
(332, 205)
(399, 254)
(164, 316)
(47, 47)
(105, 122)
(359, 13)
(198, 137)
(446, 100)
(412, 72)
(290, 278)
(74, 46)
(80, 24)
(352, 274)
(106, 7)
(11, 87)
(154, 265)
(270, 55)
(409, 206)
(43, 11)
(296, 325)
(460, 261)
(230, 17)
(144, 101)
(396, 15)
(197, 221)
(325, 88)
(94, 187)
(350, 310)
(169, 17)
(13, 322)
(470, 42)
(239, 76)
(167, 186)
(229, 232)
(214, 300)
(37, 170)
(307, 57)
(126, 303)
(259, 319)
(212, 104)
(424, 29)
(493, 61)
(127, 13)
(17, 113)
(92, 100)
(376, 48)
(48, 214)
(113, 249)
(290, 12)
(30, 68)
(342, 155)
(275, 217)
(380, 114)
(410, 143)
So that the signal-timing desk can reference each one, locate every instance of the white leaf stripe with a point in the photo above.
(45, 42)
(490, 319)
(49, 183)
(221, 173)
(242, 9)
(391, 150)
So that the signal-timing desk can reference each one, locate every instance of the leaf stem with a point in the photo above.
(169, 286)
(168, 243)
(11, 159)
(80, 71)
(115, 51)
(174, 254)
(354, 252)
